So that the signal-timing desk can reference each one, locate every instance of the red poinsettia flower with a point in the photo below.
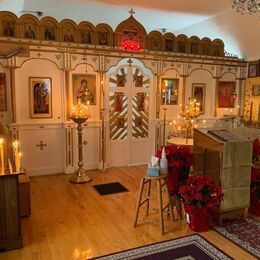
(200, 191)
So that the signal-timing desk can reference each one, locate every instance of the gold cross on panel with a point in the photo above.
(41, 145)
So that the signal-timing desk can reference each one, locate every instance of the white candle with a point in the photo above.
(2, 154)
(16, 156)
(10, 166)
(238, 110)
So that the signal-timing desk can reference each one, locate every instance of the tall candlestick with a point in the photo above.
(2, 155)
(251, 111)
(16, 156)
(238, 110)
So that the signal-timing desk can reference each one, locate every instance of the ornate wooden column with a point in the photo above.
(12, 66)
(183, 91)
(216, 96)
(102, 138)
(69, 129)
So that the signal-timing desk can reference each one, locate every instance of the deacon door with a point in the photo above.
(129, 117)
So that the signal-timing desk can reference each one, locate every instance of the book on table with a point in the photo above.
(224, 135)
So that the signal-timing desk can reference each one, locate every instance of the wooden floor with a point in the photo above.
(71, 221)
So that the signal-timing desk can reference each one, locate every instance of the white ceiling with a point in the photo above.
(204, 18)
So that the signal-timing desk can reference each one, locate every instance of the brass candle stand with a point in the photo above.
(103, 144)
(80, 175)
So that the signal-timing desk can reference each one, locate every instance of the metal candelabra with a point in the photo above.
(80, 175)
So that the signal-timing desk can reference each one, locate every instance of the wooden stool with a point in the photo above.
(161, 181)
(176, 202)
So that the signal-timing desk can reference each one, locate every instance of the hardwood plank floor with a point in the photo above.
(71, 221)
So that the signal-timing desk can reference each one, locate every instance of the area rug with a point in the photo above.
(110, 188)
(243, 232)
(189, 247)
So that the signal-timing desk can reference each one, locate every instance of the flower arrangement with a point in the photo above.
(199, 192)
(180, 159)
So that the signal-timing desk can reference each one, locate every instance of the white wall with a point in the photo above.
(38, 68)
(5, 116)
(202, 76)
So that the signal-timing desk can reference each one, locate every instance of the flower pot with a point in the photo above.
(197, 219)
(254, 204)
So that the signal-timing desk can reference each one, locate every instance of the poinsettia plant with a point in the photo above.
(256, 150)
(255, 182)
(180, 159)
(200, 191)
(178, 156)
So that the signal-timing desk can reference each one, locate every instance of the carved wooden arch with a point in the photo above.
(8, 24)
(169, 42)
(49, 29)
(46, 59)
(85, 33)
(210, 72)
(68, 30)
(103, 35)
(193, 46)
(130, 25)
(155, 41)
(218, 48)
(182, 43)
(205, 46)
(228, 72)
(178, 73)
(29, 27)
(85, 64)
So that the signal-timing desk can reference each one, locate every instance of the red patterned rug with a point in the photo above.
(243, 232)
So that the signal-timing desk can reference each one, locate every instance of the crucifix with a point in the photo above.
(129, 62)
(131, 12)
(41, 145)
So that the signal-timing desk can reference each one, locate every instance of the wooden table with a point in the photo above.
(10, 228)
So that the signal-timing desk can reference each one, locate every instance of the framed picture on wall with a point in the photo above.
(84, 86)
(198, 93)
(226, 94)
(169, 91)
(3, 96)
(253, 69)
(256, 90)
(40, 97)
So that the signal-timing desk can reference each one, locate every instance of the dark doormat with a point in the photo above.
(110, 188)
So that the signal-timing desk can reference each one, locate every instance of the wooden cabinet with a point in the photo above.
(24, 195)
(10, 229)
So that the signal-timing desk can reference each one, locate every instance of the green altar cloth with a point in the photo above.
(235, 174)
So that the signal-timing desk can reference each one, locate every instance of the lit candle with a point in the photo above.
(73, 110)
(238, 112)
(2, 154)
